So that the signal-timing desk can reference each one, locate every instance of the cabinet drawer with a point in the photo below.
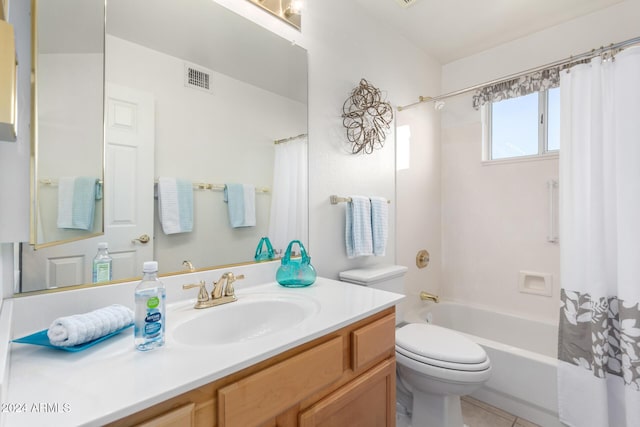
(261, 396)
(373, 342)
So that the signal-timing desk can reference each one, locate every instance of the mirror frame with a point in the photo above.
(280, 12)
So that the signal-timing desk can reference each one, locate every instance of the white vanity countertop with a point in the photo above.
(112, 380)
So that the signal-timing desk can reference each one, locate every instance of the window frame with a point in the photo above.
(543, 133)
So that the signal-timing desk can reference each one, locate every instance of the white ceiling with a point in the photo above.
(452, 29)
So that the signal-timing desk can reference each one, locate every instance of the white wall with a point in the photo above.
(418, 190)
(68, 79)
(495, 216)
(344, 46)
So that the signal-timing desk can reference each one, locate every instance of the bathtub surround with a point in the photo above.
(494, 217)
(600, 235)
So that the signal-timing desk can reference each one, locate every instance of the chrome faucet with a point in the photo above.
(223, 291)
(426, 296)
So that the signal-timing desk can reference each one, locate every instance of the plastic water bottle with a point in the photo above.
(102, 264)
(150, 309)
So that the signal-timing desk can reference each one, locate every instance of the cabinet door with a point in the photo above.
(367, 401)
(183, 416)
(260, 397)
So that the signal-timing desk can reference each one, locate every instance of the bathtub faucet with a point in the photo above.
(426, 296)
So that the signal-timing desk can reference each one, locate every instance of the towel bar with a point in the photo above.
(220, 187)
(337, 199)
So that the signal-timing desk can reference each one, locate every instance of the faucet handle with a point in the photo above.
(229, 291)
(203, 295)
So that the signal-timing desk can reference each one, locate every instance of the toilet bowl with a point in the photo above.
(435, 366)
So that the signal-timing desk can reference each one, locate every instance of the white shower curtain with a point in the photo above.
(289, 217)
(598, 346)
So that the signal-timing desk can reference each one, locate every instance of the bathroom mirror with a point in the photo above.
(203, 94)
(67, 111)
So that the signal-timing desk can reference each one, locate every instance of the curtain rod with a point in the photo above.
(280, 141)
(585, 55)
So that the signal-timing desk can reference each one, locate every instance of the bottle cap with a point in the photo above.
(150, 267)
(103, 245)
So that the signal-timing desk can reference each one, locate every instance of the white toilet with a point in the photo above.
(435, 366)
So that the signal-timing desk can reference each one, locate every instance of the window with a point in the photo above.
(524, 126)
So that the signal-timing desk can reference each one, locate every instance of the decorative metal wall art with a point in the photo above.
(367, 118)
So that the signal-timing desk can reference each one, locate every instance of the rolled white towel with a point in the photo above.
(81, 328)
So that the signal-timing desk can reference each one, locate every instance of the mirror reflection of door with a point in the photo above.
(129, 175)
(128, 197)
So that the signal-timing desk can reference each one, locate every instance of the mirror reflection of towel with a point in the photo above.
(76, 202)
(241, 204)
(175, 205)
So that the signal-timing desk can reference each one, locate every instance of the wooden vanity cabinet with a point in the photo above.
(345, 378)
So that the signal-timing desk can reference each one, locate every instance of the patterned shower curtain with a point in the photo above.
(599, 339)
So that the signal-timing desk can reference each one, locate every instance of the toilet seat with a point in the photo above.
(440, 347)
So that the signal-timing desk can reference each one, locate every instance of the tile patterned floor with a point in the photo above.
(479, 414)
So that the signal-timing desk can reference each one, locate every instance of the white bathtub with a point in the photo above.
(522, 353)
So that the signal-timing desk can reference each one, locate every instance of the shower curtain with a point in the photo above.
(599, 338)
(289, 218)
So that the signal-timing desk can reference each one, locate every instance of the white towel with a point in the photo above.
(175, 205)
(81, 328)
(76, 202)
(358, 235)
(379, 224)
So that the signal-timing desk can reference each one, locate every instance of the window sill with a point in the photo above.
(533, 158)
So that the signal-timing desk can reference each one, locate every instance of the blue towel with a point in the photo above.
(358, 234)
(175, 205)
(76, 202)
(240, 199)
(379, 224)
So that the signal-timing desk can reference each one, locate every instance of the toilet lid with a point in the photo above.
(434, 343)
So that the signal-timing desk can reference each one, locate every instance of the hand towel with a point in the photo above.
(358, 234)
(249, 205)
(76, 202)
(81, 328)
(379, 224)
(241, 204)
(175, 205)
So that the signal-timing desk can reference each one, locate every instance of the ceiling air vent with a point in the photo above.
(197, 77)
(406, 3)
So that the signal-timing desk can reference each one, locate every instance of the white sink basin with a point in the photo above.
(251, 317)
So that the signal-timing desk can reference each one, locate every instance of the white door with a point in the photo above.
(128, 201)
(129, 175)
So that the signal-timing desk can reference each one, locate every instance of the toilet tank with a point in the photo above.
(386, 277)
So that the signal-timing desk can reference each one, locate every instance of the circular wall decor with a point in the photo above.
(367, 117)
